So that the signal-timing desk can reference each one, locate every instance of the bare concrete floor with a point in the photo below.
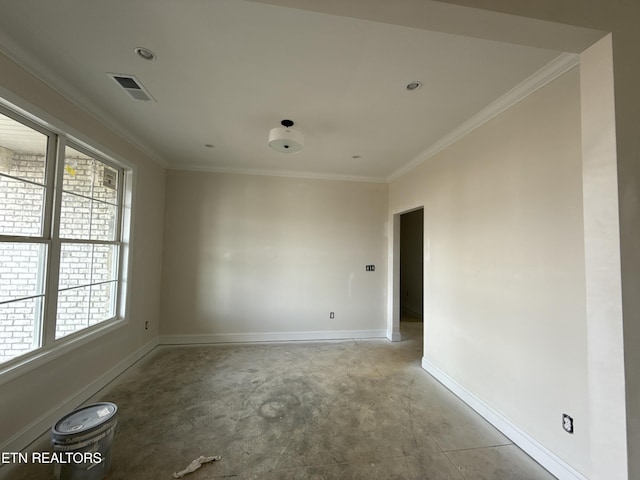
(359, 409)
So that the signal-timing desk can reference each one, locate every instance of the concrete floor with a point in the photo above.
(360, 409)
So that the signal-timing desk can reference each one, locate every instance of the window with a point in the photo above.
(89, 233)
(61, 214)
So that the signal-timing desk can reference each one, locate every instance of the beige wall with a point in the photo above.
(29, 402)
(505, 313)
(615, 442)
(256, 257)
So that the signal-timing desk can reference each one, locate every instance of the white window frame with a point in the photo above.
(58, 139)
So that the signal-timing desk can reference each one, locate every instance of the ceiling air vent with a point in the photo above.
(132, 86)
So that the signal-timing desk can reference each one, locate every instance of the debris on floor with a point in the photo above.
(195, 465)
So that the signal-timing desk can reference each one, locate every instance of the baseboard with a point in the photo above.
(35, 429)
(533, 448)
(394, 336)
(270, 337)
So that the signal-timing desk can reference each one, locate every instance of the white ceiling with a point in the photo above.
(227, 71)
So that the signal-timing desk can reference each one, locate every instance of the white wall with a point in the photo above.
(258, 257)
(505, 314)
(31, 402)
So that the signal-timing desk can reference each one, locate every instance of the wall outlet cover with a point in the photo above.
(567, 423)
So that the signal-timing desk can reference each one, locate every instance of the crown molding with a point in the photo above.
(55, 82)
(279, 173)
(552, 70)
(561, 64)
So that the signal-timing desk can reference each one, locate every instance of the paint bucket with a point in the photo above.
(82, 442)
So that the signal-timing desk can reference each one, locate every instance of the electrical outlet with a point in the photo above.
(332, 315)
(370, 268)
(567, 423)
(146, 325)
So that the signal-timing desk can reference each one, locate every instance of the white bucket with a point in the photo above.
(82, 442)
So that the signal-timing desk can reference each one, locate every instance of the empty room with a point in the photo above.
(290, 239)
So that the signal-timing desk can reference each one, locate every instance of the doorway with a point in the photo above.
(411, 275)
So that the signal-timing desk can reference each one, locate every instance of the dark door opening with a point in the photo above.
(411, 273)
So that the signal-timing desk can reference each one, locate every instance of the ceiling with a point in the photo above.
(227, 71)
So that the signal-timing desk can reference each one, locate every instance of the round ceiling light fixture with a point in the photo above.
(284, 139)
(145, 53)
(411, 86)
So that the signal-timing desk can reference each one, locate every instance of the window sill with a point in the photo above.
(42, 356)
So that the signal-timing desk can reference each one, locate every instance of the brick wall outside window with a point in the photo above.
(20, 261)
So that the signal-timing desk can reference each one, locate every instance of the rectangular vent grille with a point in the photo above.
(132, 86)
(127, 82)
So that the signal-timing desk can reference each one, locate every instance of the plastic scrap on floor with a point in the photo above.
(195, 465)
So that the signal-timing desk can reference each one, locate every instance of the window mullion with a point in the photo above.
(87, 241)
(43, 269)
(120, 203)
(119, 306)
(49, 182)
(51, 299)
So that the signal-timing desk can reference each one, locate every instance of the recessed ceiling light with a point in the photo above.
(411, 86)
(145, 53)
